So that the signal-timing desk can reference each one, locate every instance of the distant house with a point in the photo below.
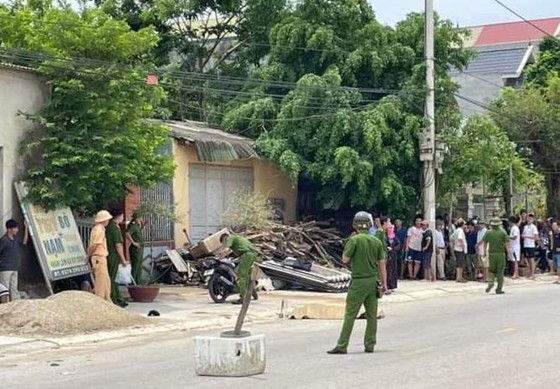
(211, 166)
(503, 53)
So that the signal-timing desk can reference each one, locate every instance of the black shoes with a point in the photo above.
(500, 292)
(336, 351)
(489, 288)
(369, 350)
(237, 302)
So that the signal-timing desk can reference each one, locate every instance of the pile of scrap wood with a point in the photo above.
(303, 256)
(304, 241)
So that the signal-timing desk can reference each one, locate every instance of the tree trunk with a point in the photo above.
(553, 195)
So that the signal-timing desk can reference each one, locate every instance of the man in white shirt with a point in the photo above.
(515, 245)
(459, 242)
(481, 250)
(439, 242)
(530, 237)
(414, 254)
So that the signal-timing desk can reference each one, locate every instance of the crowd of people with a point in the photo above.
(456, 249)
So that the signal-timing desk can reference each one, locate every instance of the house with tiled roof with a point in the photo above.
(504, 51)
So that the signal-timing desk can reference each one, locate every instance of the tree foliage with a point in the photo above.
(94, 138)
(202, 38)
(481, 152)
(531, 117)
(340, 101)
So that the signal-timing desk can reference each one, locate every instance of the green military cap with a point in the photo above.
(495, 222)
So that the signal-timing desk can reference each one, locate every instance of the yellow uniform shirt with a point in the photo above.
(98, 242)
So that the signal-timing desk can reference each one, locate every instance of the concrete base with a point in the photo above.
(229, 357)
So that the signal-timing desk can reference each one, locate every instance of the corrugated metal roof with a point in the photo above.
(212, 145)
(17, 67)
(498, 60)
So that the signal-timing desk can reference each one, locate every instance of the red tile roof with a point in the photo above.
(512, 32)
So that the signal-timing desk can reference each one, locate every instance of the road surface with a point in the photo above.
(468, 341)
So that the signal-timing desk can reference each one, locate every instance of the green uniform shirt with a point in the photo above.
(364, 251)
(239, 245)
(496, 239)
(135, 233)
(114, 236)
(380, 234)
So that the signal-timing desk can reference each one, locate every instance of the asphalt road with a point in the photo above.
(468, 341)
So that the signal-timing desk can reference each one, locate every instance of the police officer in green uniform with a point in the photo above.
(496, 239)
(245, 251)
(115, 247)
(366, 255)
(136, 249)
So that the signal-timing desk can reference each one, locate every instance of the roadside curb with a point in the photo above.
(287, 305)
(18, 346)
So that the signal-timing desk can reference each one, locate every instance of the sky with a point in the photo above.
(467, 12)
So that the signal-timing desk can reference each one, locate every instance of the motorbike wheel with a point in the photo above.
(218, 291)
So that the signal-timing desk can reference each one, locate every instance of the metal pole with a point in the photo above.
(429, 187)
(510, 199)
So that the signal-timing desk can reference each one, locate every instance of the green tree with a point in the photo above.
(531, 116)
(548, 62)
(94, 137)
(201, 39)
(340, 101)
(481, 152)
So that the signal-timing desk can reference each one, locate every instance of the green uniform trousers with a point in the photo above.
(136, 256)
(113, 264)
(362, 291)
(497, 268)
(244, 271)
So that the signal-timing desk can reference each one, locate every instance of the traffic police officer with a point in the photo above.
(366, 255)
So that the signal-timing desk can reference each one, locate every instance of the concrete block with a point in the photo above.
(229, 357)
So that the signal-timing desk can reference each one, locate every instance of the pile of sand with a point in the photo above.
(66, 313)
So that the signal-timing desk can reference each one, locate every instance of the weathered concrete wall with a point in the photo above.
(483, 88)
(20, 91)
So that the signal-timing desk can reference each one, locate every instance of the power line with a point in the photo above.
(525, 19)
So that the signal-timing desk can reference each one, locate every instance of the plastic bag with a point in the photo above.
(124, 275)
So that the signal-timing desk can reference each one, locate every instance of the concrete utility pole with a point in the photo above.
(428, 147)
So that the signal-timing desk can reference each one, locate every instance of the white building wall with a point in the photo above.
(21, 90)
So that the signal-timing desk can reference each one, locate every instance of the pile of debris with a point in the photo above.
(66, 313)
(303, 256)
(304, 241)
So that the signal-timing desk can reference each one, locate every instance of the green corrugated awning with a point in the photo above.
(212, 145)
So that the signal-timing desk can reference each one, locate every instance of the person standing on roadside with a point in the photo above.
(497, 241)
(471, 235)
(9, 257)
(427, 252)
(459, 243)
(515, 245)
(481, 252)
(440, 247)
(555, 248)
(530, 237)
(97, 254)
(116, 256)
(401, 233)
(414, 255)
(136, 249)
(366, 255)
